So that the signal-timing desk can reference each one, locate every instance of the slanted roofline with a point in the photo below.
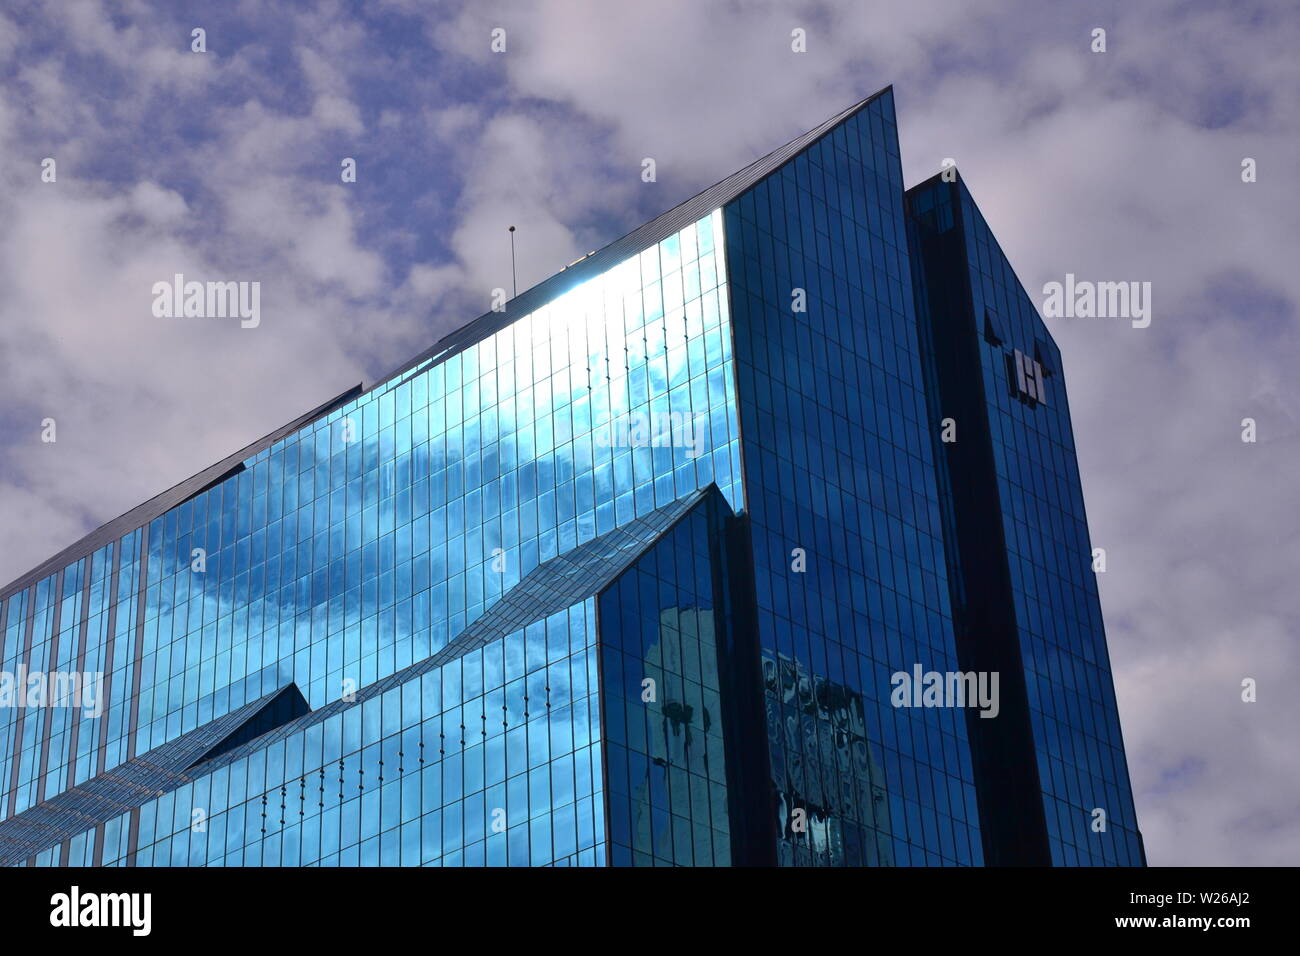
(527, 302)
(643, 237)
(961, 187)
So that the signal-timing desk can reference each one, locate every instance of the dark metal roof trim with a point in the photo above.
(160, 504)
(527, 302)
(656, 230)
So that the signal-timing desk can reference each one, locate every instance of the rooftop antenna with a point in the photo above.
(514, 283)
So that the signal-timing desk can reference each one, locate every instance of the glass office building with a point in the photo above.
(621, 574)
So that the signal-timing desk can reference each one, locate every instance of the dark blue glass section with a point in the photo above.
(842, 493)
(660, 629)
(999, 375)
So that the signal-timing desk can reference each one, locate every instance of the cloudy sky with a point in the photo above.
(1123, 165)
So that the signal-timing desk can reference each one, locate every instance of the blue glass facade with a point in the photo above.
(661, 664)
(369, 539)
(1024, 470)
(618, 576)
(417, 775)
(840, 473)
